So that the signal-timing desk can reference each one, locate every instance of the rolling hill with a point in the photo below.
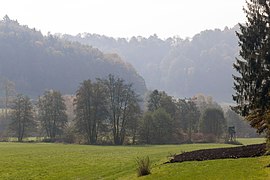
(181, 67)
(35, 62)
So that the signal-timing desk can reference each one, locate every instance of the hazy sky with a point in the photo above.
(125, 18)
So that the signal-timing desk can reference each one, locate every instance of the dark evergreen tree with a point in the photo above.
(252, 83)
(154, 100)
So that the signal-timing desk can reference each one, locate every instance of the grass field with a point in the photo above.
(60, 161)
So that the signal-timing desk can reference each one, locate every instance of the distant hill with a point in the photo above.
(35, 62)
(182, 67)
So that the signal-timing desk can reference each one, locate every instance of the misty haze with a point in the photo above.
(122, 89)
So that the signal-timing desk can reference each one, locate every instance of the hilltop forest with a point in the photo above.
(181, 67)
(35, 62)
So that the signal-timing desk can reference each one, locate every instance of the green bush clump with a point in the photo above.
(143, 166)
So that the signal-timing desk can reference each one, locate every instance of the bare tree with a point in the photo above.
(52, 113)
(22, 117)
(90, 109)
(121, 97)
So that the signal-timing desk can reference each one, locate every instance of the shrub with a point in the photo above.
(171, 156)
(143, 166)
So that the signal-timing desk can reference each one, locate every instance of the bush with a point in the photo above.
(143, 166)
(171, 156)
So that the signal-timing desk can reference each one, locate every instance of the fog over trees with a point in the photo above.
(181, 67)
(90, 106)
(35, 62)
(79, 94)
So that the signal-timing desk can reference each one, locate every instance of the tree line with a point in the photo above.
(100, 106)
(108, 111)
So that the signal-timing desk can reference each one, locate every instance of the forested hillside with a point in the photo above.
(35, 62)
(181, 67)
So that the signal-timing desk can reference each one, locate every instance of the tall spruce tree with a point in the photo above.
(252, 83)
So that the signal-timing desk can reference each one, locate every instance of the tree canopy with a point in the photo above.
(22, 117)
(252, 83)
(90, 109)
(213, 122)
(52, 113)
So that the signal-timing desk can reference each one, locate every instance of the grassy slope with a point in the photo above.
(248, 168)
(58, 161)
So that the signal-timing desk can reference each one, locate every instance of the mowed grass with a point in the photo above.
(60, 161)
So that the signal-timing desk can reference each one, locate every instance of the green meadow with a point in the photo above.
(66, 161)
